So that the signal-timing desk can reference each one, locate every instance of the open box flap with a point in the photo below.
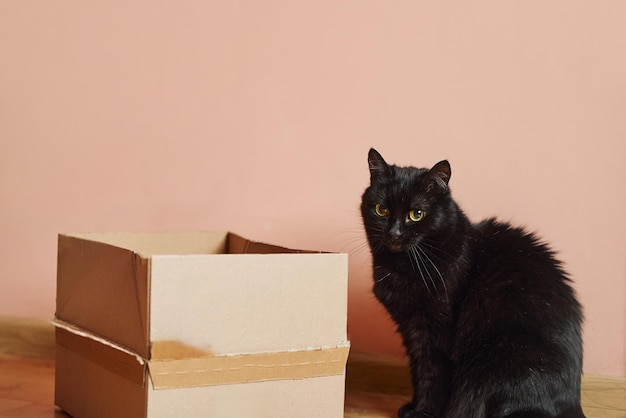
(240, 245)
(152, 243)
(104, 289)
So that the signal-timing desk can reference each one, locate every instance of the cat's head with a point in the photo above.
(404, 205)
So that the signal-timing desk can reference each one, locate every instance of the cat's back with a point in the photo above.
(515, 273)
(500, 247)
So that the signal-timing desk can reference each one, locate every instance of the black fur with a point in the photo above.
(486, 312)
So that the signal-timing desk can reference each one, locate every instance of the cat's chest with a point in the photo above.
(407, 299)
(399, 293)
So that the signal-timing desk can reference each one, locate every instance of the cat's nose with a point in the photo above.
(395, 233)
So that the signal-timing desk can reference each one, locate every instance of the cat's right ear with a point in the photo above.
(378, 166)
(439, 176)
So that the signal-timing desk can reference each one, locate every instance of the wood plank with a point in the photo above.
(604, 396)
(26, 337)
(377, 386)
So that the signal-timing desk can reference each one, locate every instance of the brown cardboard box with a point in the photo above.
(198, 325)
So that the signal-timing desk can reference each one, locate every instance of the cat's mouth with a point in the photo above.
(400, 244)
(395, 247)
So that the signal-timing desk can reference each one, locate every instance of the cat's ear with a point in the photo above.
(378, 166)
(439, 176)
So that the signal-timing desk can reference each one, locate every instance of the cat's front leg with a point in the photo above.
(430, 374)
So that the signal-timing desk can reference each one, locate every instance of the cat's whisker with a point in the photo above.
(413, 262)
(383, 278)
(414, 256)
(355, 247)
(430, 277)
(376, 246)
(443, 282)
(434, 247)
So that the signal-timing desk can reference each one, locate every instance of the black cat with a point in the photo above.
(489, 321)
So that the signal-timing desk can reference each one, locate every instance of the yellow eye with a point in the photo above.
(381, 210)
(416, 215)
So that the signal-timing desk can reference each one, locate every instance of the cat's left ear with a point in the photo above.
(439, 176)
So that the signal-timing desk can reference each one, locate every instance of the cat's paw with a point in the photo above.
(408, 411)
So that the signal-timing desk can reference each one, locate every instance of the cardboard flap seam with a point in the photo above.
(221, 370)
(73, 329)
(250, 365)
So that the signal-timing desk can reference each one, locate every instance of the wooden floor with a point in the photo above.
(375, 386)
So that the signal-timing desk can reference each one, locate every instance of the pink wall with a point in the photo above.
(257, 117)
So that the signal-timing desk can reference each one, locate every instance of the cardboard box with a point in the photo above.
(198, 325)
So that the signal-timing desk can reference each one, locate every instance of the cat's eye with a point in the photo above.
(416, 215)
(381, 210)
